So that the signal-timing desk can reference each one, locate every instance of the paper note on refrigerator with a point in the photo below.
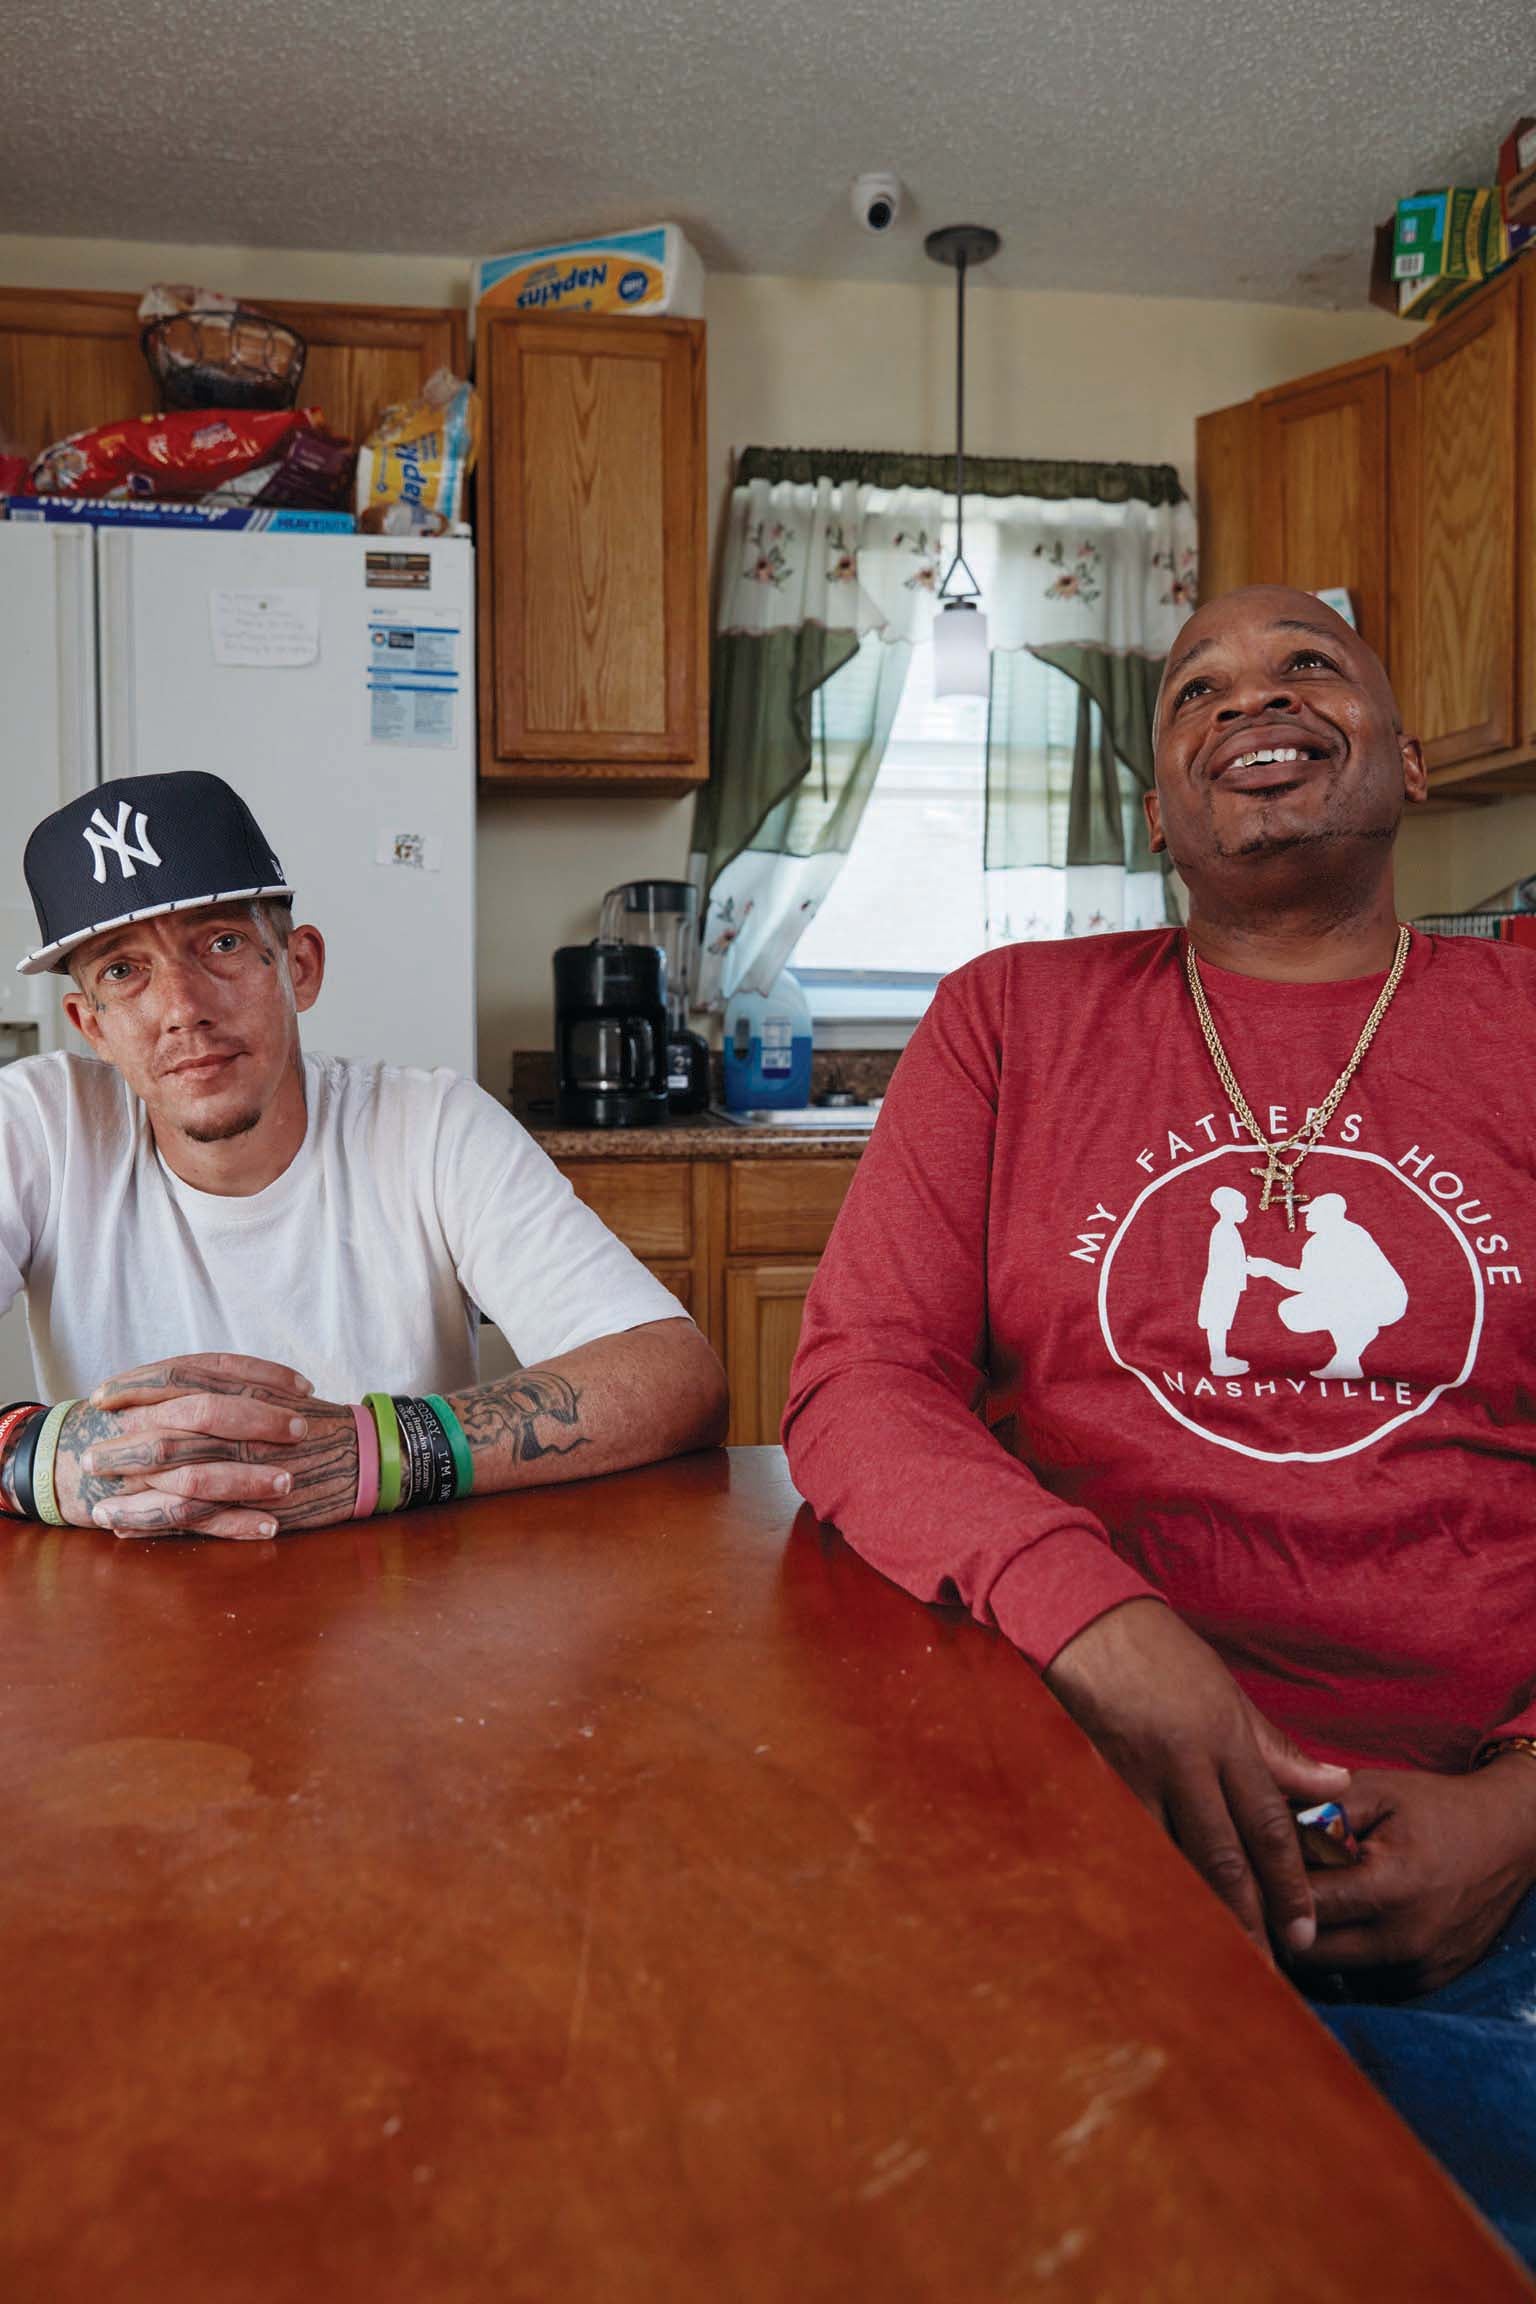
(274, 629)
(413, 680)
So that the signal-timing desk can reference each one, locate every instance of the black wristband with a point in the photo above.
(23, 1457)
(433, 1474)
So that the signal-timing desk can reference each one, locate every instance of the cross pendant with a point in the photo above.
(1278, 1178)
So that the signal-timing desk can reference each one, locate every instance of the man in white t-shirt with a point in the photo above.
(225, 1243)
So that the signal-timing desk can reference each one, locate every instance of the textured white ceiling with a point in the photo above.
(1179, 147)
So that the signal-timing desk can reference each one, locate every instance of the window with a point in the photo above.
(910, 903)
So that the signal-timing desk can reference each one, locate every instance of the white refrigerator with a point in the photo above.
(331, 680)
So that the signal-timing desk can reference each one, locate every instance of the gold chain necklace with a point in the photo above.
(1279, 1174)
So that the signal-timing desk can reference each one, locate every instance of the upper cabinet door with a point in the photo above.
(1322, 490)
(1525, 585)
(593, 554)
(1454, 462)
(70, 361)
(1226, 496)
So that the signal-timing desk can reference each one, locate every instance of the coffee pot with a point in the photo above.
(610, 1036)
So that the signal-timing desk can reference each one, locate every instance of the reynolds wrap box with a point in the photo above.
(120, 512)
(649, 271)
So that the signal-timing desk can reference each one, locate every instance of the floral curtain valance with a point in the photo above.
(845, 556)
(837, 555)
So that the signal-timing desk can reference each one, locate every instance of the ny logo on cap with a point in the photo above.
(102, 837)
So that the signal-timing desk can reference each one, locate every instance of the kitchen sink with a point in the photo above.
(828, 1119)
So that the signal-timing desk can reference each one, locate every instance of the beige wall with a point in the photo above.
(1452, 860)
(828, 364)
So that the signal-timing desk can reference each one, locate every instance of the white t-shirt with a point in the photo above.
(414, 1199)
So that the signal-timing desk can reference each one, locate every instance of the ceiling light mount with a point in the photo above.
(961, 664)
(962, 245)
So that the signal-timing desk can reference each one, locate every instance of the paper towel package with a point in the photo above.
(651, 271)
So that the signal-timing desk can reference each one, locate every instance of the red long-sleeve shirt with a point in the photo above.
(1056, 1357)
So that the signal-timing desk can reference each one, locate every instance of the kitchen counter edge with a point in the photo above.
(699, 1138)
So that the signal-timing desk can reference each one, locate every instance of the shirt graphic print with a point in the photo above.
(1310, 1343)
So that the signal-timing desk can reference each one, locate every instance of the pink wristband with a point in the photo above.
(367, 1465)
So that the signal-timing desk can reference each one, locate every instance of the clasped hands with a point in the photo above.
(207, 1444)
(1446, 1858)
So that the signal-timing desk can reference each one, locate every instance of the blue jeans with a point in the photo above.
(1459, 2065)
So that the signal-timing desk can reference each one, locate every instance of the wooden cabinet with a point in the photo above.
(71, 360)
(763, 1308)
(1525, 461)
(648, 1203)
(594, 555)
(1454, 435)
(1226, 494)
(1410, 478)
(737, 1242)
(1321, 512)
(784, 1207)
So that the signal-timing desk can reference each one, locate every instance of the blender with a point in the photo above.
(665, 913)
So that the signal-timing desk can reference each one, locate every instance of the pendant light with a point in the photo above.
(961, 661)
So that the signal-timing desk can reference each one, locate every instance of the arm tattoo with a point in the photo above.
(507, 1414)
(82, 1425)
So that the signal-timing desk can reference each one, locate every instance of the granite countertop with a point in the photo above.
(700, 1137)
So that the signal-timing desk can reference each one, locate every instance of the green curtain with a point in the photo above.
(1124, 687)
(791, 764)
(1060, 789)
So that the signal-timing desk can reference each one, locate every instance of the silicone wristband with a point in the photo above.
(23, 1461)
(407, 1495)
(42, 1469)
(434, 1477)
(388, 1430)
(416, 1470)
(463, 1462)
(367, 1465)
(13, 1422)
(415, 1473)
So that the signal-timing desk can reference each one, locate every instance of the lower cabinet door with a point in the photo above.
(763, 1306)
(679, 1278)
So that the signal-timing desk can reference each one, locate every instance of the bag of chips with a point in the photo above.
(412, 467)
(187, 452)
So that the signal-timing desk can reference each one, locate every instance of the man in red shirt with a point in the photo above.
(1176, 1324)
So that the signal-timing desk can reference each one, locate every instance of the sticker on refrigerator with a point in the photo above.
(413, 647)
(413, 681)
(412, 851)
(397, 571)
(276, 630)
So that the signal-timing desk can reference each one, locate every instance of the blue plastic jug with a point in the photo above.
(768, 1049)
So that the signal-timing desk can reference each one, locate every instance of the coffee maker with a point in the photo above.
(665, 914)
(610, 1035)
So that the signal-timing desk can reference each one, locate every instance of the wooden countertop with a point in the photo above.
(620, 1892)
(701, 1136)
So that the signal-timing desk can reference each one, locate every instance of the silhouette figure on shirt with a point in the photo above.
(1226, 1276)
(1343, 1286)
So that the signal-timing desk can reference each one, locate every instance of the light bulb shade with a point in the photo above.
(962, 664)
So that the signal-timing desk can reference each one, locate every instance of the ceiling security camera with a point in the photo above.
(876, 201)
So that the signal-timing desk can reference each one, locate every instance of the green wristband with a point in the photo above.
(43, 1463)
(463, 1462)
(387, 1425)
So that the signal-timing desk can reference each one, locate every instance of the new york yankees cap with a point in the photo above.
(138, 846)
